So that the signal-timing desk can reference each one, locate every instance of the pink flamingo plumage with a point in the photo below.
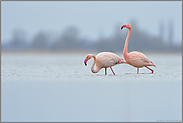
(104, 60)
(135, 58)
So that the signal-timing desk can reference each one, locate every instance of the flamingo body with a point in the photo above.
(104, 60)
(135, 58)
(107, 59)
(138, 59)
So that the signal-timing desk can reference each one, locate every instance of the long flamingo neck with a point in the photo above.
(92, 67)
(125, 50)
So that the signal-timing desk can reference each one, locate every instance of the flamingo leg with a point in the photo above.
(112, 70)
(105, 71)
(137, 70)
(149, 69)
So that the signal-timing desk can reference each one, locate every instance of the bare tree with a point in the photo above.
(19, 38)
(40, 40)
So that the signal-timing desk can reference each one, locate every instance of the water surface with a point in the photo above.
(59, 87)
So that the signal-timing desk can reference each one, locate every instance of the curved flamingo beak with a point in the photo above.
(85, 61)
(123, 26)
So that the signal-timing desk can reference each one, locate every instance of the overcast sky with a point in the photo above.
(92, 18)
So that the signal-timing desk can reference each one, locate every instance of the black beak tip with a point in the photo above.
(85, 64)
(121, 27)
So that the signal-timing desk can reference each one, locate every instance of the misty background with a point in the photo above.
(156, 26)
(38, 85)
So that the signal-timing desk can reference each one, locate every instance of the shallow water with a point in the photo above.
(59, 87)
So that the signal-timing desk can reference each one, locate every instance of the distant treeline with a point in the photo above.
(70, 39)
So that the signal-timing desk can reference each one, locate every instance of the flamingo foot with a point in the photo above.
(105, 71)
(112, 70)
(137, 70)
(149, 69)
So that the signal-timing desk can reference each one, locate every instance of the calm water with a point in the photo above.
(58, 87)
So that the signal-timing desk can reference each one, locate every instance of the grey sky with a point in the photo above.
(92, 18)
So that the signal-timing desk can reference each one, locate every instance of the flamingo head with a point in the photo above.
(127, 26)
(88, 57)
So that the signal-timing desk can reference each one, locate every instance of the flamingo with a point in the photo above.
(135, 58)
(104, 60)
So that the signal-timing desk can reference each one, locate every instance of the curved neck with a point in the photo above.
(92, 67)
(125, 50)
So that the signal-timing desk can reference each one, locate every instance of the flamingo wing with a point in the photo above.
(113, 60)
(107, 59)
(138, 59)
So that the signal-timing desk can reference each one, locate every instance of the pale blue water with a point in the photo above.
(58, 87)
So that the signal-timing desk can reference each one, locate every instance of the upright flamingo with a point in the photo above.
(104, 60)
(135, 58)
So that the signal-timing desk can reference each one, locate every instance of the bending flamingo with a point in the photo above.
(135, 58)
(104, 60)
